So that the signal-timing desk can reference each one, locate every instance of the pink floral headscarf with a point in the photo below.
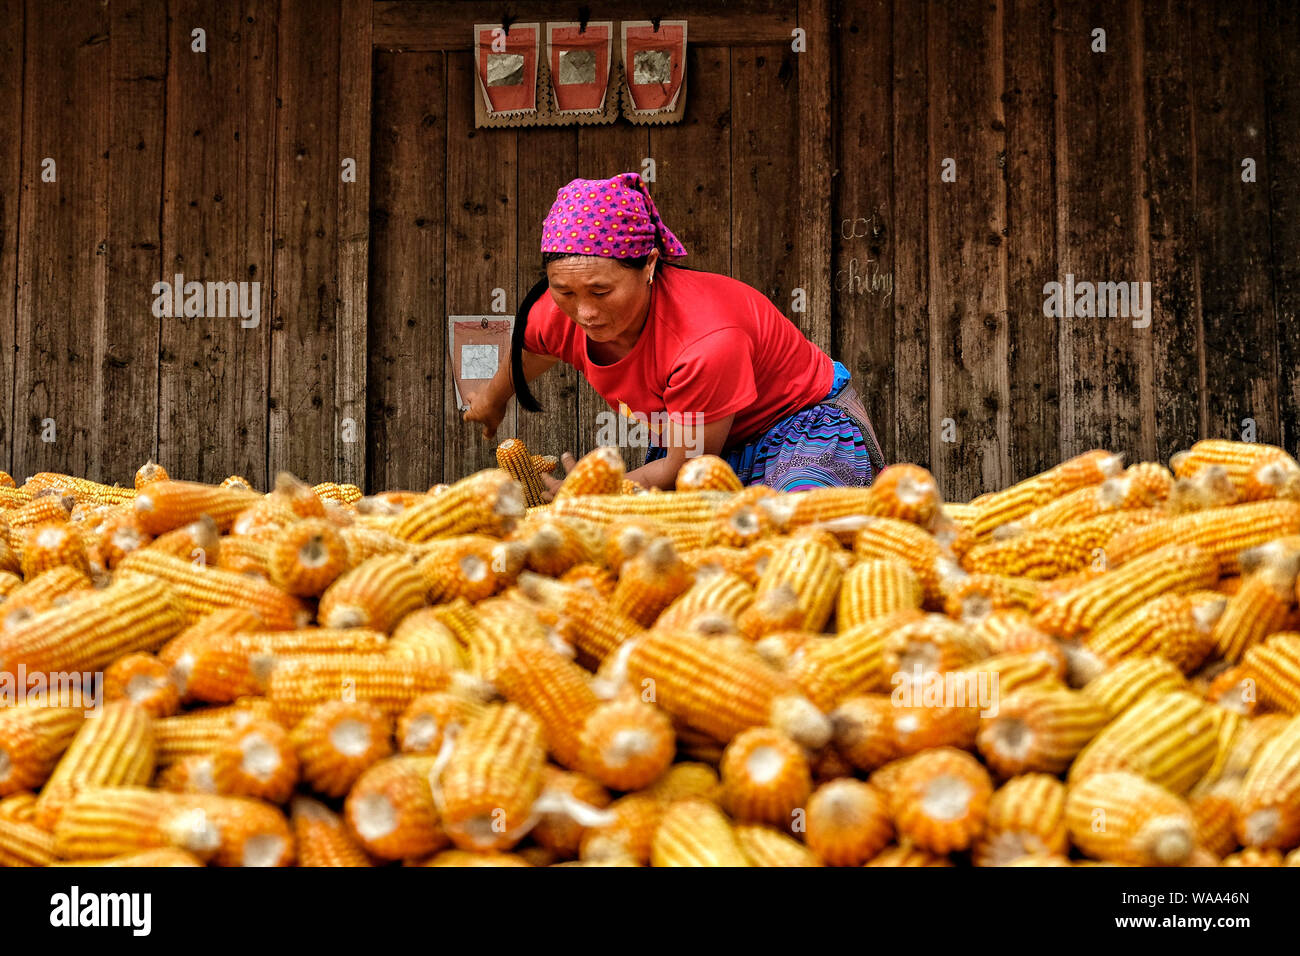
(614, 218)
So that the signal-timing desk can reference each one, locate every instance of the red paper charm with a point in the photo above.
(507, 67)
(654, 65)
(579, 62)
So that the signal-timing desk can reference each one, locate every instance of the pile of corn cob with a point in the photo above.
(713, 676)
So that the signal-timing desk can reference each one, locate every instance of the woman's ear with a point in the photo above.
(650, 266)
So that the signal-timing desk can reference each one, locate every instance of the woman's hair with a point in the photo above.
(522, 393)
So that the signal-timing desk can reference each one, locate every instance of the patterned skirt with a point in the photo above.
(818, 447)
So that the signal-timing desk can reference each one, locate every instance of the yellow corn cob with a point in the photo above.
(1026, 817)
(906, 855)
(376, 594)
(1233, 689)
(875, 588)
(742, 520)
(696, 833)
(20, 806)
(54, 587)
(198, 542)
(1080, 504)
(492, 778)
(488, 502)
(776, 610)
(1055, 551)
(44, 509)
(1172, 626)
(765, 777)
(52, 545)
(116, 748)
(904, 491)
(807, 566)
(554, 690)
(1257, 470)
(80, 488)
(252, 832)
(224, 623)
(144, 680)
(364, 542)
(683, 507)
(489, 632)
(425, 723)
(1175, 569)
(852, 662)
(1269, 803)
(32, 738)
(1215, 811)
(1005, 674)
(847, 822)
(153, 859)
(940, 800)
(104, 822)
(337, 741)
(1000, 507)
(1223, 532)
(649, 582)
(555, 544)
(1119, 687)
(1274, 667)
(864, 732)
(470, 566)
(220, 669)
(707, 473)
(190, 775)
(201, 590)
(1261, 605)
(599, 472)
(300, 682)
(92, 631)
(321, 837)
(421, 635)
(1169, 738)
(164, 505)
(724, 595)
(1239, 746)
(199, 732)
(298, 495)
(930, 643)
(244, 555)
(1211, 487)
(919, 550)
(1120, 817)
(1039, 729)
(626, 744)
(768, 846)
(560, 833)
(256, 760)
(718, 692)
(111, 540)
(688, 779)
(148, 473)
(391, 809)
(6, 480)
(629, 833)
(1253, 856)
(586, 620)
(514, 459)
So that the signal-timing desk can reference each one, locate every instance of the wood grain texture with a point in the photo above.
(1280, 40)
(406, 333)
(814, 69)
(352, 250)
(218, 214)
(62, 241)
(125, 393)
(302, 418)
(1029, 176)
(863, 219)
(482, 223)
(1233, 223)
(11, 139)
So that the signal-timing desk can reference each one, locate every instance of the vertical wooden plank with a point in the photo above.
(915, 422)
(61, 269)
(693, 191)
(815, 67)
(605, 151)
(1280, 33)
(966, 248)
(407, 326)
(11, 139)
(765, 211)
(548, 161)
(303, 323)
(217, 217)
(1028, 174)
(864, 221)
(1097, 234)
(1178, 342)
(1233, 223)
(481, 240)
(356, 64)
(126, 369)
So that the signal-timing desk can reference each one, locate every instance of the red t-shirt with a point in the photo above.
(711, 346)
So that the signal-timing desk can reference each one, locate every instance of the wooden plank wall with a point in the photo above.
(820, 170)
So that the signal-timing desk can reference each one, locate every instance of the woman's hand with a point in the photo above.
(553, 484)
(488, 411)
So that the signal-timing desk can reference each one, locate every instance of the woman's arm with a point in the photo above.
(489, 407)
(707, 439)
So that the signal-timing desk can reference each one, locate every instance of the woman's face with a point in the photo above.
(605, 299)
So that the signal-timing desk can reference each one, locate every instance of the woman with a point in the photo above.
(705, 362)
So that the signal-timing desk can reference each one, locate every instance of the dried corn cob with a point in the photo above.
(489, 783)
(252, 832)
(1257, 471)
(300, 682)
(626, 743)
(53, 588)
(768, 846)
(765, 777)
(847, 822)
(32, 738)
(488, 502)
(82, 489)
(1215, 811)
(696, 833)
(376, 594)
(189, 775)
(920, 551)
(808, 566)
(554, 690)
(115, 748)
(321, 837)
(599, 472)
(875, 588)
(337, 741)
(163, 505)
(1039, 730)
(1172, 626)
(145, 681)
(424, 724)
(852, 662)
(1274, 668)
(1262, 603)
(473, 567)
(1223, 532)
(109, 541)
(52, 545)
(363, 542)
(555, 544)
(724, 595)
(1211, 487)
(707, 473)
(1026, 817)
(586, 620)
(198, 542)
(20, 806)
(628, 835)
(930, 643)
(1121, 817)
(1119, 687)
(1053, 552)
(681, 507)
(104, 822)
(423, 636)
(561, 833)
(224, 623)
(514, 459)
(201, 590)
(391, 809)
(941, 798)
(998, 508)
(1269, 804)
(649, 582)
(256, 760)
(199, 732)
